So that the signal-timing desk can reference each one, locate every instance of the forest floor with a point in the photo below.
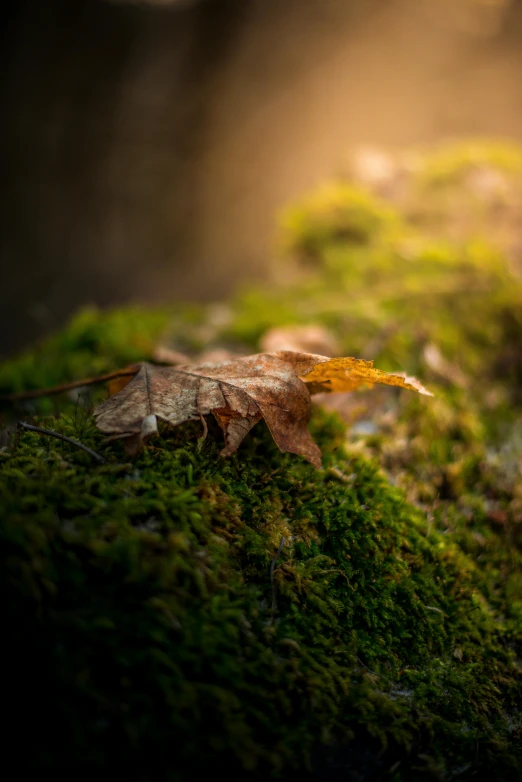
(181, 614)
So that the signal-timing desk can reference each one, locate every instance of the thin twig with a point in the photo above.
(462, 613)
(63, 437)
(434, 608)
(89, 381)
(380, 675)
(341, 573)
(272, 568)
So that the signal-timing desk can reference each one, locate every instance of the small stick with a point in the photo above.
(272, 568)
(341, 572)
(63, 437)
(461, 613)
(373, 672)
(89, 381)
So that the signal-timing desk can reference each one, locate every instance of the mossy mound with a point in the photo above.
(146, 630)
(184, 615)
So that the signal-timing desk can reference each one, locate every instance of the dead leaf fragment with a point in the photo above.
(312, 338)
(238, 393)
(162, 354)
(440, 365)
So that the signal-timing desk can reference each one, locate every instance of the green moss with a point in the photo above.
(92, 344)
(145, 592)
(448, 164)
(338, 212)
(383, 302)
(152, 626)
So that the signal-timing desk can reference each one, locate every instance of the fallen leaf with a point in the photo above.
(165, 355)
(312, 338)
(434, 359)
(238, 393)
(348, 374)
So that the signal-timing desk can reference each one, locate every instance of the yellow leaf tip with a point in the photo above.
(417, 386)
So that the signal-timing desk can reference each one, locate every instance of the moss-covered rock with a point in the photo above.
(184, 615)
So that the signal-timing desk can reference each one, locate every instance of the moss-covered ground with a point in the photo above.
(183, 615)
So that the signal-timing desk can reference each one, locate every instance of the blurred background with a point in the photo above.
(148, 146)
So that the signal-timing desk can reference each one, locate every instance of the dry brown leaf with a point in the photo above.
(312, 338)
(440, 365)
(238, 392)
(165, 355)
